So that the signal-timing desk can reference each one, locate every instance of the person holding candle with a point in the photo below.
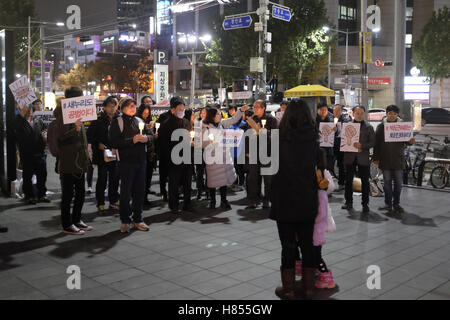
(179, 174)
(124, 134)
(219, 175)
(144, 113)
(254, 170)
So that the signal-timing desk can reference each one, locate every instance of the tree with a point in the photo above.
(142, 76)
(431, 51)
(14, 14)
(76, 77)
(298, 46)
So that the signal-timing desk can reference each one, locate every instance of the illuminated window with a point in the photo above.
(409, 14)
(408, 40)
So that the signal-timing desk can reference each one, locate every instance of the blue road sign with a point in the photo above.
(237, 22)
(281, 13)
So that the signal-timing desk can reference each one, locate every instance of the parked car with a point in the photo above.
(376, 114)
(435, 116)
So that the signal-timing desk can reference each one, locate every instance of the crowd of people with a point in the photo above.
(127, 146)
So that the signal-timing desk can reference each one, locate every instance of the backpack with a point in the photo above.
(52, 138)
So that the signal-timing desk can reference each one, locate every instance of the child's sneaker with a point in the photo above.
(298, 268)
(325, 281)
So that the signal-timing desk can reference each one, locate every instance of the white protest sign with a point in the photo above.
(350, 135)
(22, 91)
(79, 107)
(239, 95)
(398, 131)
(230, 138)
(46, 116)
(326, 134)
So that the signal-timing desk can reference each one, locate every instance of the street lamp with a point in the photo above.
(326, 29)
(41, 26)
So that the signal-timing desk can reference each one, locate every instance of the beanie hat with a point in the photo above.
(393, 108)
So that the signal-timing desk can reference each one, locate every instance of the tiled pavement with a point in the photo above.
(222, 254)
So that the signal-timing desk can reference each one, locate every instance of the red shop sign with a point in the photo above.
(378, 81)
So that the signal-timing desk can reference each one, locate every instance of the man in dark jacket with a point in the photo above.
(254, 170)
(31, 144)
(163, 162)
(131, 141)
(360, 159)
(72, 165)
(390, 157)
(338, 154)
(324, 116)
(179, 174)
(98, 137)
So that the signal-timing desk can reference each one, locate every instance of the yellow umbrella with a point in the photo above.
(314, 90)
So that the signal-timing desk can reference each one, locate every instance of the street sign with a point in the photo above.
(38, 64)
(378, 63)
(281, 13)
(237, 22)
(350, 71)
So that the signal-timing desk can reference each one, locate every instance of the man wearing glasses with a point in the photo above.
(262, 123)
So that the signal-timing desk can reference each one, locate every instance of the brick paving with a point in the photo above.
(220, 254)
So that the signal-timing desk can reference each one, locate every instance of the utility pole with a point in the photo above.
(29, 48)
(194, 62)
(364, 101)
(42, 65)
(399, 52)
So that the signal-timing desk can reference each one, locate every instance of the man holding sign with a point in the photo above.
(357, 157)
(392, 135)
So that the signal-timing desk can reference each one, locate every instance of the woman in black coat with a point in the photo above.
(294, 197)
(145, 113)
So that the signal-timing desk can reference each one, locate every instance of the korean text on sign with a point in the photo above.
(79, 107)
(398, 131)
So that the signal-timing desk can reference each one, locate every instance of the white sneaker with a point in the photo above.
(73, 230)
(83, 226)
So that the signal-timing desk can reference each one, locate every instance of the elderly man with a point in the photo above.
(254, 170)
(359, 159)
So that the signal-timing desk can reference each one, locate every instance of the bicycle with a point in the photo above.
(420, 157)
(440, 176)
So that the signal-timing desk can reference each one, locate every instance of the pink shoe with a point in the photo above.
(298, 268)
(325, 281)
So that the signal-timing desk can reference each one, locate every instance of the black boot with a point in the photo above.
(223, 199)
(212, 195)
(308, 283)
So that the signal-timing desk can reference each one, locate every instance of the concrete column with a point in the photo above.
(399, 52)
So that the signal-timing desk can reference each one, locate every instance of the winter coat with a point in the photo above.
(220, 174)
(367, 140)
(72, 146)
(390, 154)
(28, 137)
(129, 151)
(165, 143)
(271, 123)
(294, 186)
(98, 133)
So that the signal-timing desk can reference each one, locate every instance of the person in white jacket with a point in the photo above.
(220, 174)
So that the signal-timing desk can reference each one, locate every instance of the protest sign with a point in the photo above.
(79, 107)
(230, 138)
(22, 91)
(326, 134)
(398, 131)
(350, 135)
(46, 116)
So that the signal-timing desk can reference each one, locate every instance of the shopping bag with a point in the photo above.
(331, 224)
(331, 186)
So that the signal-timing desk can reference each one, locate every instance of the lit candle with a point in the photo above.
(192, 134)
(157, 126)
(211, 137)
(336, 120)
(141, 126)
(263, 121)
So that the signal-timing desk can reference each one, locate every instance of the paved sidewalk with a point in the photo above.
(221, 254)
